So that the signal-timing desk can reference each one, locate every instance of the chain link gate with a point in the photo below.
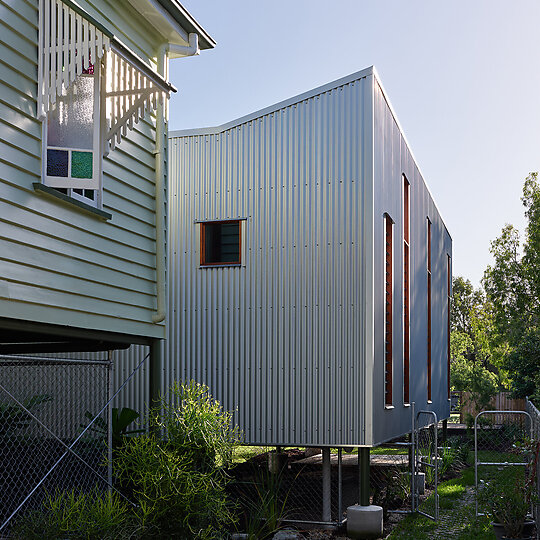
(495, 459)
(425, 467)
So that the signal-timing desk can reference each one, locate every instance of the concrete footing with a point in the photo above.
(420, 483)
(364, 521)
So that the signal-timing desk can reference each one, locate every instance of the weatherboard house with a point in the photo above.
(83, 98)
(309, 270)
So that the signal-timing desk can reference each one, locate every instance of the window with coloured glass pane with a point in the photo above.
(72, 160)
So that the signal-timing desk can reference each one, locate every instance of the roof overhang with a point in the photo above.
(172, 21)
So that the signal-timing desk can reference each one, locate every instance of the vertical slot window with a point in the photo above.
(406, 292)
(388, 323)
(429, 309)
(220, 243)
(448, 307)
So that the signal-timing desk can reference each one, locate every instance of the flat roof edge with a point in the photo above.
(275, 107)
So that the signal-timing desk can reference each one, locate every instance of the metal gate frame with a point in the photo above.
(433, 462)
(490, 463)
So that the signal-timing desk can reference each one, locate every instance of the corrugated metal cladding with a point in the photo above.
(278, 338)
(392, 159)
(293, 340)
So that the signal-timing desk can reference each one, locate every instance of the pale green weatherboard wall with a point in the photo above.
(58, 264)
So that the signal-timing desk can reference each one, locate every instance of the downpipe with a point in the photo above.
(163, 52)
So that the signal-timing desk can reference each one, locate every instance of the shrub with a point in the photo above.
(75, 516)
(179, 480)
(195, 424)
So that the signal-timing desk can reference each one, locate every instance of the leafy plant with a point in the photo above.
(394, 491)
(75, 516)
(175, 500)
(195, 424)
(121, 420)
(14, 417)
(510, 504)
(179, 480)
(266, 511)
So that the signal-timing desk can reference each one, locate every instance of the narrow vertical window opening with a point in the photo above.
(388, 327)
(429, 310)
(406, 247)
(449, 305)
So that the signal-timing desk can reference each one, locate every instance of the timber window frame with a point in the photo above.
(428, 343)
(406, 291)
(215, 244)
(448, 315)
(388, 309)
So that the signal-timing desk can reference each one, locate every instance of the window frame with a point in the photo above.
(388, 328)
(97, 161)
(202, 261)
(406, 290)
(428, 272)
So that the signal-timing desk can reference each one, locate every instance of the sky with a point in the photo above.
(463, 77)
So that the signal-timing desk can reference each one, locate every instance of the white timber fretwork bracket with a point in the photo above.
(71, 43)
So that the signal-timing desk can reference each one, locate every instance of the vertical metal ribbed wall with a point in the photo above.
(392, 160)
(282, 340)
(277, 339)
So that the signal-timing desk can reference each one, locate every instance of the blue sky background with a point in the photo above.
(462, 76)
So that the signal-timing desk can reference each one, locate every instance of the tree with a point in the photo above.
(512, 286)
(473, 368)
(464, 299)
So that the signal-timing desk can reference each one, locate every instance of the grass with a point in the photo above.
(457, 518)
(244, 453)
(381, 450)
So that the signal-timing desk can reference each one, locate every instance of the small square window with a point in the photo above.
(220, 243)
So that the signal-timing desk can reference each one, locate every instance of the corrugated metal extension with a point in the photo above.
(293, 339)
(276, 339)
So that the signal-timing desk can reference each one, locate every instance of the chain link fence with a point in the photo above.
(294, 491)
(498, 460)
(534, 414)
(54, 431)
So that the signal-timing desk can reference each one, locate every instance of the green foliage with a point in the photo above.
(507, 496)
(476, 356)
(179, 480)
(13, 417)
(454, 456)
(457, 516)
(196, 425)
(75, 516)
(465, 298)
(175, 500)
(121, 420)
(512, 285)
(506, 505)
(524, 365)
(394, 490)
(476, 379)
(267, 510)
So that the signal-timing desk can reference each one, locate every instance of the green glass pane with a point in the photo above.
(81, 164)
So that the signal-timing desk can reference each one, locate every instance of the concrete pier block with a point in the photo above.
(420, 483)
(364, 521)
